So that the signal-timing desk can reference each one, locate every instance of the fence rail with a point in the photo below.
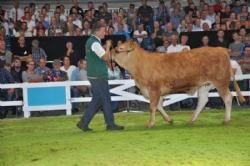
(57, 96)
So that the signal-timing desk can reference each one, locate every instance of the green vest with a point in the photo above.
(96, 67)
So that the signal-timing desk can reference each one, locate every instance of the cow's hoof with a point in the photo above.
(149, 125)
(190, 123)
(225, 123)
(171, 122)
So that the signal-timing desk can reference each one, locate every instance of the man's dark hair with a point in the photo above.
(97, 26)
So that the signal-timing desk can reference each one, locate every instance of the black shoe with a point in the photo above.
(115, 127)
(85, 129)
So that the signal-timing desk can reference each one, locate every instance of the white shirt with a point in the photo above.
(97, 48)
(172, 48)
(136, 33)
(69, 71)
(20, 13)
(206, 21)
(78, 23)
(235, 65)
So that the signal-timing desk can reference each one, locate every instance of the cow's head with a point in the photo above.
(127, 47)
(124, 52)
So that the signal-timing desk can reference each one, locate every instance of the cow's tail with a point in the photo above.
(239, 94)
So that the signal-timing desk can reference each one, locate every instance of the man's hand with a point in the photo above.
(108, 44)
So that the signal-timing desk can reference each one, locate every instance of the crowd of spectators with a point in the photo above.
(155, 29)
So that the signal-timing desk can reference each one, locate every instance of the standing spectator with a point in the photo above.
(145, 13)
(131, 19)
(16, 13)
(98, 74)
(5, 56)
(77, 7)
(22, 51)
(42, 69)
(220, 40)
(139, 34)
(29, 75)
(73, 54)
(67, 67)
(236, 46)
(162, 13)
(175, 18)
(37, 52)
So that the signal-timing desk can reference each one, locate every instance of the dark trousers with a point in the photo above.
(100, 98)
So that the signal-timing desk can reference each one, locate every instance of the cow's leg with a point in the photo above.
(227, 98)
(202, 101)
(154, 100)
(163, 113)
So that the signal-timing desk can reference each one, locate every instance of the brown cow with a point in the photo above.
(159, 74)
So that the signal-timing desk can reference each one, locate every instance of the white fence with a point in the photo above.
(57, 96)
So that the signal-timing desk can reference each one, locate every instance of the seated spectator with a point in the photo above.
(139, 34)
(121, 31)
(42, 69)
(37, 52)
(23, 31)
(76, 20)
(169, 30)
(164, 47)
(245, 61)
(29, 75)
(108, 15)
(197, 27)
(75, 5)
(243, 34)
(182, 26)
(236, 46)
(80, 74)
(55, 29)
(204, 19)
(220, 40)
(110, 30)
(5, 94)
(22, 51)
(30, 23)
(16, 70)
(73, 54)
(205, 41)
(205, 27)
(236, 67)
(247, 22)
(118, 22)
(174, 46)
(148, 44)
(86, 28)
(114, 73)
(56, 74)
(157, 34)
(5, 56)
(67, 67)
(184, 40)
